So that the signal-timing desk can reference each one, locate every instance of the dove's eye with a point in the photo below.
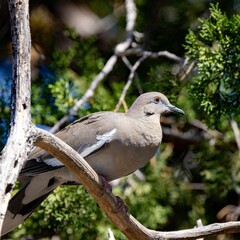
(157, 100)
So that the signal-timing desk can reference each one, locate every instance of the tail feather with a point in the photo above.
(34, 191)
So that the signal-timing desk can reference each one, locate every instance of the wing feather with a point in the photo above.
(86, 135)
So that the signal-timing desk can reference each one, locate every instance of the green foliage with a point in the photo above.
(69, 212)
(161, 78)
(58, 87)
(221, 170)
(215, 49)
(62, 93)
(215, 88)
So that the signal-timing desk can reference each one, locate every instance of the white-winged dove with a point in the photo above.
(114, 144)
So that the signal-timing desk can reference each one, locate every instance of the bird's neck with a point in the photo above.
(136, 110)
(146, 128)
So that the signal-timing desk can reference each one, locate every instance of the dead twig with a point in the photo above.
(129, 82)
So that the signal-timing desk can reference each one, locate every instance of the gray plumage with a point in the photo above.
(114, 144)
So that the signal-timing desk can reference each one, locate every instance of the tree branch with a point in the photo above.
(133, 69)
(18, 144)
(148, 54)
(131, 15)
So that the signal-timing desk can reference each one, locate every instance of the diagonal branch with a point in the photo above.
(133, 69)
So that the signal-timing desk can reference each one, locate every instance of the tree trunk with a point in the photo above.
(18, 144)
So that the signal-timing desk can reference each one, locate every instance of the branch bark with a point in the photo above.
(16, 150)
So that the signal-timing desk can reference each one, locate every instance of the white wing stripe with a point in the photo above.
(53, 162)
(102, 139)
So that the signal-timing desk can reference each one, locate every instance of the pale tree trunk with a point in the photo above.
(15, 152)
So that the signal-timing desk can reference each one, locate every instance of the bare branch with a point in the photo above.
(204, 231)
(149, 54)
(188, 70)
(133, 68)
(131, 15)
(144, 55)
(129, 82)
(122, 49)
(129, 66)
(18, 144)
